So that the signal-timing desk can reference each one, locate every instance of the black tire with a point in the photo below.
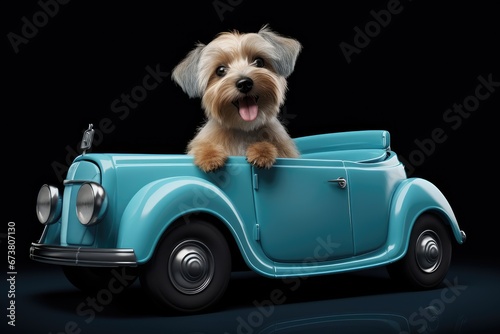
(428, 258)
(190, 268)
(92, 279)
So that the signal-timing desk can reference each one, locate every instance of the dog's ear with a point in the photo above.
(287, 50)
(185, 74)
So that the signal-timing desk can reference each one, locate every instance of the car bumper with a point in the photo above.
(82, 256)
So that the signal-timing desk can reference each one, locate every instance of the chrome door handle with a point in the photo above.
(341, 182)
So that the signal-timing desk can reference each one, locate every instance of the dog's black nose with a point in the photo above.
(244, 85)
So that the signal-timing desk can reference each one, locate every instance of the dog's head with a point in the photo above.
(240, 78)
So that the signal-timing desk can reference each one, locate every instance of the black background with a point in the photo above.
(426, 59)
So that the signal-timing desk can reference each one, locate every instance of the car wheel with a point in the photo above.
(91, 279)
(190, 269)
(428, 257)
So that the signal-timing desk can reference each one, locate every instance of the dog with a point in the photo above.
(241, 79)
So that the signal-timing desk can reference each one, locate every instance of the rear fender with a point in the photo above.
(413, 197)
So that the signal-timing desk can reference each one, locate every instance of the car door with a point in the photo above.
(302, 211)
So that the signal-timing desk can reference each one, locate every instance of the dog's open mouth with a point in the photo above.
(247, 107)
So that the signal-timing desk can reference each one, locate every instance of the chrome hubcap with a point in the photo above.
(191, 267)
(428, 251)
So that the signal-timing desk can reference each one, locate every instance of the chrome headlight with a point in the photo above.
(91, 203)
(48, 205)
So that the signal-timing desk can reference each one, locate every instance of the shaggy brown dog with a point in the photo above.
(241, 80)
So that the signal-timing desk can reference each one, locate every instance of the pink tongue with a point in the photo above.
(248, 108)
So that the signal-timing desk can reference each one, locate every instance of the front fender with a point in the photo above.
(413, 197)
(158, 204)
(155, 206)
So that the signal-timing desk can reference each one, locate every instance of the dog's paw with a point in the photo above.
(210, 165)
(210, 159)
(262, 154)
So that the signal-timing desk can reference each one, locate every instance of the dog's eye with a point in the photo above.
(221, 71)
(259, 62)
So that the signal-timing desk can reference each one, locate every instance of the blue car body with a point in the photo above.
(345, 204)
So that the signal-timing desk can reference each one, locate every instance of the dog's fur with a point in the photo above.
(241, 80)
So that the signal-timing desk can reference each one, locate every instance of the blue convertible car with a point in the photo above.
(346, 204)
